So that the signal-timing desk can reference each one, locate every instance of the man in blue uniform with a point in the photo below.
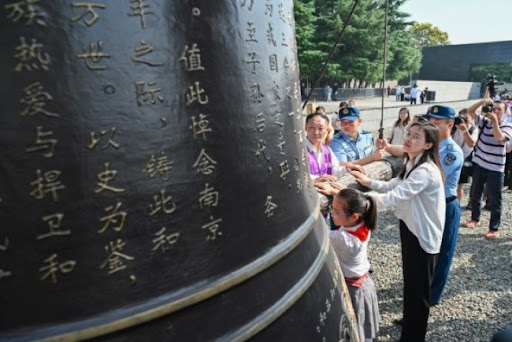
(451, 158)
(351, 144)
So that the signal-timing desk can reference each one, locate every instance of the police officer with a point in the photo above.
(452, 159)
(351, 144)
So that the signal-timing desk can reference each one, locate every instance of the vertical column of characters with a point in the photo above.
(209, 195)
(292, 93)
(329, 301)
(96, 59)
(33, 59)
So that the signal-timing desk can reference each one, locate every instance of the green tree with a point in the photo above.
(425, 34)
(310, 56)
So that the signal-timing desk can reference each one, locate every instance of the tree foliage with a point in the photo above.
(357, 61)
(425, 34)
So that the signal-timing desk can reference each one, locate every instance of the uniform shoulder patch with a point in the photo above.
(449, 147)
(449, 159)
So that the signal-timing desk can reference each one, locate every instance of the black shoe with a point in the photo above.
(487, 206)
(399, 321)
(468, 207)
(370, 270)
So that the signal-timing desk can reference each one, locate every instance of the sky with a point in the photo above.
(465, 21)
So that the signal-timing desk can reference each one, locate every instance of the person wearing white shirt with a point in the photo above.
(415, 92)
(419, 200)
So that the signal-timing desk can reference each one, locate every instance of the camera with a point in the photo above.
(491, 85)
(460, 119)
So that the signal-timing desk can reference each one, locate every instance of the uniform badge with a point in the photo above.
(449, 147)
(449, 159)
(435, 109)
(345, 111)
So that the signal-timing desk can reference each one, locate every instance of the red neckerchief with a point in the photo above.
(361, 233)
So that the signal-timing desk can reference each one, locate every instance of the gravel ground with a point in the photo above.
(478, 297)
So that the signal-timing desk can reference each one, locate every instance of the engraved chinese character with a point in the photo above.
(296, 91)
(260, 122)
(54, 224)
(147, 95)
(296, 165)
(269, 206)
(275, 91)
(261, 150)
(52, 266)
(270, 35)
(43, 142)
(304, 158)
(142, 50)
(115, 259)
(105, 177)
(269, 8)
(299, 186)
(286, 66)
(307, 180)
(323, 317)
(277, 120)
(252, 61)
(251, 32)
(274, 66)
(200, 126)
(93, 56)
(47, 183)
(140, 8)
(204, 163)
(193, 60)
(196, 93)
(299, 133)
(35, 98)
(213, 227)
(159, 166)
(285, 169)
(88, 9)
(255, 94)
(163, 241)
(160, 203)
(333, 293)
(281, 143)
(243, 2)
(114, 218)
(31, 57)
(5, 246)
(282, 14)
(4, 274)
(209, 198)
(284, 43)
(110, 141)
(25, 10)
(327, 305)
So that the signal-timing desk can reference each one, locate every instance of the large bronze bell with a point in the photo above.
(153, 183)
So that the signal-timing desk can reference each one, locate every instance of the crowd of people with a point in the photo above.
(441, 152)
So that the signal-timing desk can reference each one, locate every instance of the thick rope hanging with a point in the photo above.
(331, 53)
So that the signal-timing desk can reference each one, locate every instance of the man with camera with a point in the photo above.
(465, 134)
(489, 160)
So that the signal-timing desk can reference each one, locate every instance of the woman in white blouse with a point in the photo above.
(397, 135)
(418, 197)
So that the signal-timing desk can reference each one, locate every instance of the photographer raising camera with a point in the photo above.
(465, 134)
(489, 159)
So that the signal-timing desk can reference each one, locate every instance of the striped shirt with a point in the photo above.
(489, 153)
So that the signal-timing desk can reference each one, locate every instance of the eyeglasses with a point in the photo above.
(331, 209)
(410, 136)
